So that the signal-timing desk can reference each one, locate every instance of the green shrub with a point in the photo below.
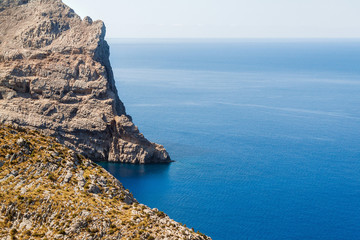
(52, 177)
(13, 232)
(40, 235)
(160, 214)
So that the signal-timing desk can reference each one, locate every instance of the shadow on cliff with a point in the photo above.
(125, 170)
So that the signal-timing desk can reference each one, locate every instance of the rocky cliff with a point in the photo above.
(55, 76)
(47, 191)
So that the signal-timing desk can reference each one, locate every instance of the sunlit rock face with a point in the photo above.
(55, 76)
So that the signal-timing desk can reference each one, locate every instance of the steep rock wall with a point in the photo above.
(55, 76)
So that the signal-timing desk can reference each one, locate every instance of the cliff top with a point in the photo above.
(49, 25)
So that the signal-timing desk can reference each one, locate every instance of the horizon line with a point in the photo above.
(110, 39)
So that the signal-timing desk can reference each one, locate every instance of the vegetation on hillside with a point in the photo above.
(47, 191)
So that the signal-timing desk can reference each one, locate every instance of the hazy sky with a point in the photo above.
(224, 18)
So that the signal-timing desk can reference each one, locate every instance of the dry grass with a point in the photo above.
(33, 191)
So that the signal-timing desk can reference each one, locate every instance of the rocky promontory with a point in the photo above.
(48, 191)
(56, 77)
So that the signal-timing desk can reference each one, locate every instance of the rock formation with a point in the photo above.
(47, 191)
(55, 76)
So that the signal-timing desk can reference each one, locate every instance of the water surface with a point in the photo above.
(265, 134)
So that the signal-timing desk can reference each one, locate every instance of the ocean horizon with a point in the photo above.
(265, 134)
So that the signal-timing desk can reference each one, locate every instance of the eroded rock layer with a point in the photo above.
(55, 76)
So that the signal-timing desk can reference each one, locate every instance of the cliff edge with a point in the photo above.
(55, 76)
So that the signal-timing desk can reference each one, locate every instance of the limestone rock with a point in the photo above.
(67, 177)
(21, 142)
(94, 189)
(55, 76)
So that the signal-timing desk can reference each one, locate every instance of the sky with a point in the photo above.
(224, 18)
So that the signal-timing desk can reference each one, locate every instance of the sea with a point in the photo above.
(265, 134)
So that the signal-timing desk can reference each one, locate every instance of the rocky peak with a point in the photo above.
(55, 76)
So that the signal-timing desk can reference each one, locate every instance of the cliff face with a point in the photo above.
(55, 76)
(47, 191)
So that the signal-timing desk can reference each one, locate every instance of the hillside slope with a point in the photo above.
(47, 191)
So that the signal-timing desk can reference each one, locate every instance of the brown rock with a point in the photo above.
(55, 76)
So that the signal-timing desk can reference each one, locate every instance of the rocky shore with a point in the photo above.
(47, 191)
(60, 112)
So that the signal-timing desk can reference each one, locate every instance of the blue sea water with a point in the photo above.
(265, 134)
